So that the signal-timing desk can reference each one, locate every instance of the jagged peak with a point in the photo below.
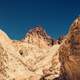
(73, 37)
(75, 24)
(38, 30)
(77, 19)
(38, 33)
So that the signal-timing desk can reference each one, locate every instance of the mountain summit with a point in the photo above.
(39, 57)
(38, 34)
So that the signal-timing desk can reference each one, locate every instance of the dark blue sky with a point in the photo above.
(17, 16)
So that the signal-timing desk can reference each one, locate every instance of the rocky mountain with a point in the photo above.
(39, 57)
(70, 52)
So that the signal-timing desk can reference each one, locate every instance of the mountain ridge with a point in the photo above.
(39, 57)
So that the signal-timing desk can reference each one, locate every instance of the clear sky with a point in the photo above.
(17, 16)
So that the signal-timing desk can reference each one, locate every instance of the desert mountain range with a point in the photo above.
(39, 57)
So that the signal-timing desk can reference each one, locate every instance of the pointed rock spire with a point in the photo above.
(39, 35)
(75, 25)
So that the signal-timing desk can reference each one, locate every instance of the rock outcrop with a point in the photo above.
(29, 58)
(39, 36)
(39, 57)
(70, 53)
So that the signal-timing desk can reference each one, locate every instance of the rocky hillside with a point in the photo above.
(70, 52)
(40, 57)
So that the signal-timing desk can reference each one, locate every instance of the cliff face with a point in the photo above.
(70, 52)
(39, 57)
(28, 59)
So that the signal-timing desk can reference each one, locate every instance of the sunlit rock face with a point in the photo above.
(38, 36)
(29, 59)
(39, 57)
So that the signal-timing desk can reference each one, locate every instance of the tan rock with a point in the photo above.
(36, 57)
